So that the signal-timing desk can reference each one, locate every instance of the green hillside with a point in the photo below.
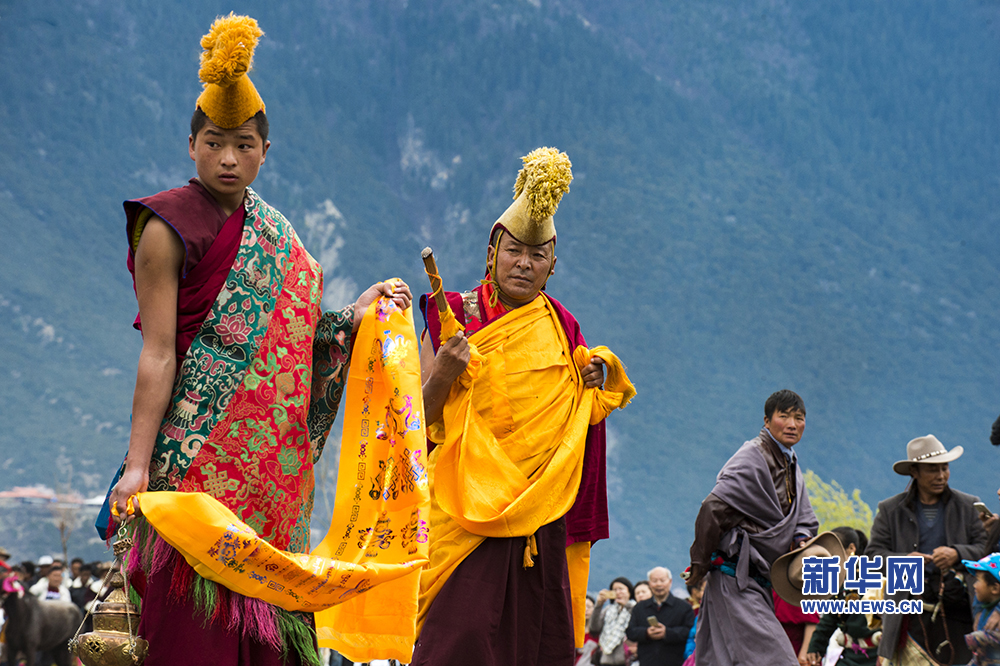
(767, 195)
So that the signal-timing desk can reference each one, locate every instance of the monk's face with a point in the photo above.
(227, 160)
(521, 270)
(786, 426)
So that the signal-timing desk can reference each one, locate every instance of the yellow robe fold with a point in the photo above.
(513, 438)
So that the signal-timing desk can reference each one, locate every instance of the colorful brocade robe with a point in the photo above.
(259, 387)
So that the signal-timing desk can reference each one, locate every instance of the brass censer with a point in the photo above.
(114, 641)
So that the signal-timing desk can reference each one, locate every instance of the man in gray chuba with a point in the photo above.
(757, 511)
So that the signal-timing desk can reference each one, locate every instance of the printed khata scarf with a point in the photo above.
(362, 579)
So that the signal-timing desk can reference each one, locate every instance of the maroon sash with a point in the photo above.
(201, 282)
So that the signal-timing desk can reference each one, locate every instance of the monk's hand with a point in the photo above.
(944, 557)
(397, 290)
(593, 373)
(452, 358)
(134, 480)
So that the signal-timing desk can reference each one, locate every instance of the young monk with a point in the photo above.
(240, 373)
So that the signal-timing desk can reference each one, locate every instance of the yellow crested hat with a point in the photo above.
(229, 98)
(540, 185)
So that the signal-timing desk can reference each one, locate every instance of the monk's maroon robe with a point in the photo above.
(211, 241)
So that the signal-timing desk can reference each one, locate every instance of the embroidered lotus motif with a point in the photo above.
(233, 329)
(289, 462)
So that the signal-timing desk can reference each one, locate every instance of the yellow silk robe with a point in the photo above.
(512, 441)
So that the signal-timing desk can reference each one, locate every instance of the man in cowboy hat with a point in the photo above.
(933, 521)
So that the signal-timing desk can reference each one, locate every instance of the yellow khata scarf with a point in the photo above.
(512, 442)
(362, 580)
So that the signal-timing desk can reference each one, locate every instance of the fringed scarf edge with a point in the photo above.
(280, 629)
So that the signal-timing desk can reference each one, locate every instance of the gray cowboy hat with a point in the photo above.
(786, 572)
(925, 449)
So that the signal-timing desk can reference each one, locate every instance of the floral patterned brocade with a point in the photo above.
(259, 388)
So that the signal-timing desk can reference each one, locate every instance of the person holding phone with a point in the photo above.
(611, 620)
(660, 625)
(991, 523)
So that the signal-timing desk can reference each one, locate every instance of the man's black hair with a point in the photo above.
(76, 559)
(783, 401)
(862, 540)
(198, 120)
(847, 536)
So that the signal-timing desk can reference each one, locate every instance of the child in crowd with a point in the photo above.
(985, 643)
(859, 641)
(583, 654)
(694, 598)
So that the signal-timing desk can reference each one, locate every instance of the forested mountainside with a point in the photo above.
(768, 194)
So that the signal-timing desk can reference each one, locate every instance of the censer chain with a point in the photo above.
(122, 546)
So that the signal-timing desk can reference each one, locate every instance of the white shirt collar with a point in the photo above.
(784, 449)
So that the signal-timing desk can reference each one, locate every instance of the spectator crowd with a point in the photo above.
(52, 581)
(736, 573)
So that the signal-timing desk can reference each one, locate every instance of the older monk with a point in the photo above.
(515, 408)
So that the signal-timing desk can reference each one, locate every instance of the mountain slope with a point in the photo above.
(767, 195)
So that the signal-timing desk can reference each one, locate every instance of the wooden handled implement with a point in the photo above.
(437, 289)
(449, 325)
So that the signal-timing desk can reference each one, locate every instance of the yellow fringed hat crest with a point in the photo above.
(229, 98)
(540, 185)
